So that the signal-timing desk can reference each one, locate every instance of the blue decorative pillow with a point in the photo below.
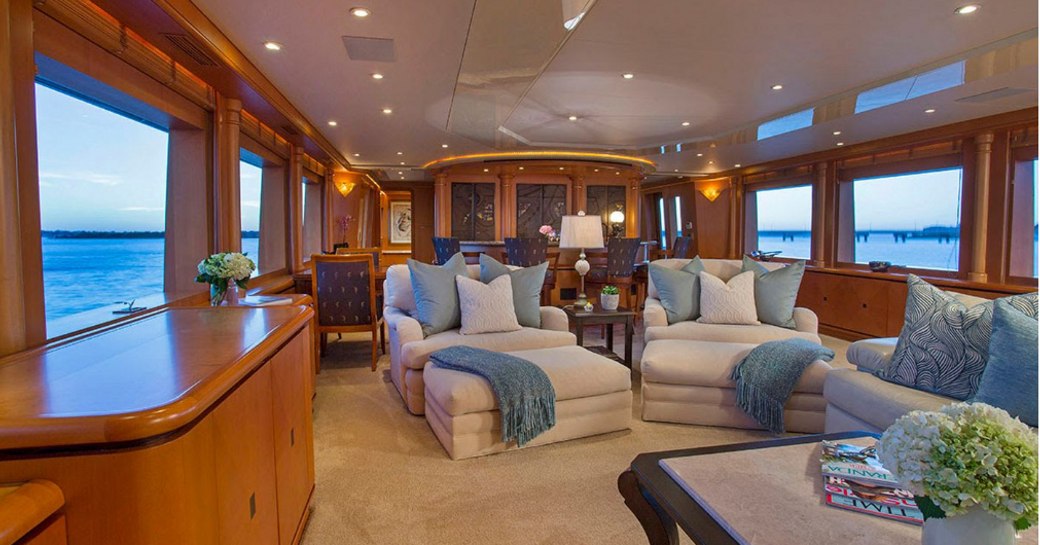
(776, 291)
(527, 287)
(944, 344)
(679, 290)
(1010, 378)
(436, 297)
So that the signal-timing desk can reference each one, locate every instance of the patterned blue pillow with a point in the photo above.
(944, 345)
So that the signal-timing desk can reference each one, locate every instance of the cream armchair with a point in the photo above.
(409, 351)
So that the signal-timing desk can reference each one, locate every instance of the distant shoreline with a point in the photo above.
(120, 234)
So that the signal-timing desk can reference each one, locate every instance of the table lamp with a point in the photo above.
(581, 232)
(616, 218)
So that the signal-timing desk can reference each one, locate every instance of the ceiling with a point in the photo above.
(486, 75)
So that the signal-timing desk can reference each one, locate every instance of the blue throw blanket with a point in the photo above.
(525, 396)
(767, 375)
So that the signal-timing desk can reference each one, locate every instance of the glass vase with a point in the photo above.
(975, 527)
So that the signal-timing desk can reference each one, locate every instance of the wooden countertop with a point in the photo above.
(140, 380)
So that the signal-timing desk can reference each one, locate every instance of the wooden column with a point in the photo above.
(507, 200)
(326, 208)
(187, 196)
(821, 200)
(273, 184)
(632, 206)
(442, 205)
(295, 203)
(228, 219)
(22, 319)
(579, 195)
(983, 150)
(736, 215)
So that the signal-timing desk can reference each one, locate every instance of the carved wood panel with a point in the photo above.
(538, 205)
(473, 211)
(601, 200)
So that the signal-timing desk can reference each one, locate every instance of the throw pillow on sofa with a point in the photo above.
(527, 287)
(944, 344)
(436, 298)
(678, 290)
(730, 302)
(1010, 378)
(776, 291)
(486, 308)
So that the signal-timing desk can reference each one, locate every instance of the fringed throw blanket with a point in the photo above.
(525, 396)
(767, 375)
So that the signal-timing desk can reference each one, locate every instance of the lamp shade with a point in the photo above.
(617, 216)
(581, 232)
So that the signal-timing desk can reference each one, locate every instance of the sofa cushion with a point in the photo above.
(527, 287)
(730, 302)
(694, 331)
(871, 355)
(679, 289)
(699, 363)
(1010, 378)
(776, 291)
(722, 268)
(397, 288)
(486, 308)
(436, 299)
(415, 354)
(574, 373)
(875, 401)
(944, 344)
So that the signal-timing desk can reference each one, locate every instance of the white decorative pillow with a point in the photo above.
(730, 302)
(486, 308)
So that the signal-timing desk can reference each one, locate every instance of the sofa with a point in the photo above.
(657, 327)
(409, 350)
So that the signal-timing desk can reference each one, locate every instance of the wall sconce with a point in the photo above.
(345, 188)
(616, 219)
(711, 193)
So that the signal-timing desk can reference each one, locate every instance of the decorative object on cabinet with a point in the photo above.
(879, 266)
(609, 297)
(225, 273)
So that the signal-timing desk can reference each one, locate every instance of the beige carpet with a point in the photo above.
(382, 477)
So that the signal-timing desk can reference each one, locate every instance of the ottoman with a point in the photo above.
(688, 382)
(593, 396)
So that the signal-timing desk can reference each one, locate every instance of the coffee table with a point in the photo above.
(579, 318)
(767, 492)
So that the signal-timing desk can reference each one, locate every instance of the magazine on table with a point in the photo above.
(854, 479)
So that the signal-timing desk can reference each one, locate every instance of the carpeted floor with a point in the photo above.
(382, 477)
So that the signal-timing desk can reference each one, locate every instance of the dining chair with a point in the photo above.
(616, 266)
(351, 251)
(681, 249)
(444, 248)
(527, 251)
(345, 298)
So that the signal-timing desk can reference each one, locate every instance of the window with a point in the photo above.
(678, 216)
(1023, 251)
(250, 177)
(783, 218)
(785, 124)
(912, 87)
(311, 205)
(538, 205)
(102, 207)
(662, 224)
(473, 211)
(911, 220)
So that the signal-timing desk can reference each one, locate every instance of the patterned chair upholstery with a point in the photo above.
(345, 297)
(444, 248)
(683, 248)
(527, 252)
(616, 267)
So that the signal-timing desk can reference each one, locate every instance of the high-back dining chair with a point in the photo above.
(344, 289)
(526, 252)
(617, 266)
(351, 251)
(682, 248)
(444, 248)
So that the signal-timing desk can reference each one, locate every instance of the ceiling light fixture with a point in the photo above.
(485, 170)
(357, 155)
(360, 13)
(628, 76)
(572, 118)
(968, 9)
(685, 123)
(736, 165)
(711, 162)
(840, 144)
(399, 172)
(387, 111)
(377, 75)
(930, 111)
(521, 168)
(400, 153)
(595, 170)
(273, 46)
(675, 170)
(561, 168)
(700, 155)
(836, 133)
(332, 123)
(777, 87)
(402, 163)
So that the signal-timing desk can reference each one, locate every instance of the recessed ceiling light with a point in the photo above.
(930, 111)
(572, 118)
(700, 155)
(387, 111)
(840, 144)
(521, 168)
(400, 153)
(777, 87)
(628, 75)
(485, 170)
(836, 133)
(399, 172)
(332, 123)
(402, 163)
(685, 123)
(617, 173)
(676, 170)
(360, 13)
(561, 168)
(377, 75)
(357, 155)
(965, 10)
(595, 170)
(711, 162)
(273, 46)
(444, 145)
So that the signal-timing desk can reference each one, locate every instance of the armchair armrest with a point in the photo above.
(872, 355)
(554, 318)
(806, 320)
(654, 314)
(402, 326)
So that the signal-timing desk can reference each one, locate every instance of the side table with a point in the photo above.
(579, 318)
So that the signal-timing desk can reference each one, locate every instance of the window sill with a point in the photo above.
(942, 281)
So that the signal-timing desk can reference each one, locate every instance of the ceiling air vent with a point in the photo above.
(369, 49)
(191, 49)
(995, 94)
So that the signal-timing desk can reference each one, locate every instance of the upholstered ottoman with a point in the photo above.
(688, 382)
(593, 396)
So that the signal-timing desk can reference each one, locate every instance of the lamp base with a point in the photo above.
(582, 268)
(581, 301)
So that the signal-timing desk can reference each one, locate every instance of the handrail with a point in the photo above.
(24, 507)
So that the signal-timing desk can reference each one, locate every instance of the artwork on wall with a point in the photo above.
(400, 222)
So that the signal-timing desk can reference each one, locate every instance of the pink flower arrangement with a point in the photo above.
(547, 230)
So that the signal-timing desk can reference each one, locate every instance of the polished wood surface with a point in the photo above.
(143, 379)
(26, 511)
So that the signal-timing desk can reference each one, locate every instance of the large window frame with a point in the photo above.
(1021, 194)
(274, 214)
(750, 212)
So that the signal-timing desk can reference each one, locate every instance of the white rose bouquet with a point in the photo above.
(962, 456)
(222, 271)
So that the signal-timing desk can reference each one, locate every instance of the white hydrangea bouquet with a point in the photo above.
(222, 271)
(963, 457)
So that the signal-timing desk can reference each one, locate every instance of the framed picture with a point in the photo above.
(400, 222)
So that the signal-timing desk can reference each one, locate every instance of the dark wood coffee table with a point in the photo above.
(579, 318)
